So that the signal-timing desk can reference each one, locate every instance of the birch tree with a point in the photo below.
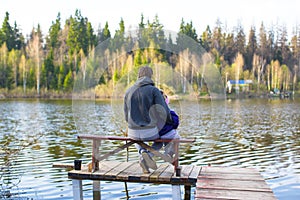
(129, 64)
(238, 66)
(83, 63)
(258, 69)
(183, 66)
(295, 77)
(24, 71)
(13, 62)
(275, 74)
(286, 77)
(35, 52)
(3, 65)
(268, 71)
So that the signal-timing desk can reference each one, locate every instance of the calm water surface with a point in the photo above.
(258, 133)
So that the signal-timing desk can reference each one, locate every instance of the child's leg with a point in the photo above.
(169, 146)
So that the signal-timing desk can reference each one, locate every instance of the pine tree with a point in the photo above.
(263, 43)
(206, 39)
(105, 33)
(251, 48)
(119, 37)
(240, 39)
(11, 35)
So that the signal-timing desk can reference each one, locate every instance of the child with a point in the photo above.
(168, 131)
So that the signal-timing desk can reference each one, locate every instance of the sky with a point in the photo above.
(29, 13)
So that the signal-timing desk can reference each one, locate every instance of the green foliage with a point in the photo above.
(80, 34)
(54, 33)
(48, 72)
(138, 58)
(105, 33)
(60, 77)
(31, 78)
(72, 51)
(68, 82)
(11, 35)
(188, 30)
(119, 37)
(101, 80)
(116, 76)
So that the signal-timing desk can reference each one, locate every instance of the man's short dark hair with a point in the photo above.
(145, 71)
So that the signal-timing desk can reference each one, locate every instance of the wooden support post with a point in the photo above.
(96, 190)
(176, 193)
(177, 169)
(187, 192)
(77, 189)
(95, 155)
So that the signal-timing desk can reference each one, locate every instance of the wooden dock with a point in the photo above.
(132, 172)
(232, 183)
(210, 182)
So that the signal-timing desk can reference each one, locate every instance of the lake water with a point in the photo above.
(258, 133)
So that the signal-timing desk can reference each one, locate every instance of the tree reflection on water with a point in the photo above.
(12, 145)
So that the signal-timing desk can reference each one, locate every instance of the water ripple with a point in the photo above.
(261, 134)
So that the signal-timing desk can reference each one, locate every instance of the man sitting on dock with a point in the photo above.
(144, 106)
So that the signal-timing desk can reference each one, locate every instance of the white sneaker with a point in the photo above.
(144, 167)
(149, 161)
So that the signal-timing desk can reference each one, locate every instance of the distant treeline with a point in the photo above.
(47, 63)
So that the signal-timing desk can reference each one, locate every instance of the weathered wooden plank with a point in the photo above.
(232, 194)
(231, 176)
(230, 173)
(69, 166)
(106, 166)
(185, 172)
(112, 174)
(95, 153)
(155, 176)
(121, 138)
(228, 170)
(233, 185)
(125, 172)
(196, 171)
(120, 148)
(146, 176)
(134, 171)
(63, 165)
(167, 174)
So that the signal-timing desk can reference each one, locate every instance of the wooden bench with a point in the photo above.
(175, 175)
(211, 182)
(96, 157)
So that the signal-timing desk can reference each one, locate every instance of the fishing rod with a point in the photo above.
(127, 159)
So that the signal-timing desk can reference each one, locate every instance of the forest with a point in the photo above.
(47, 64)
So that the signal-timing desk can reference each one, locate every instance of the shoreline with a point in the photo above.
(178, 97)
